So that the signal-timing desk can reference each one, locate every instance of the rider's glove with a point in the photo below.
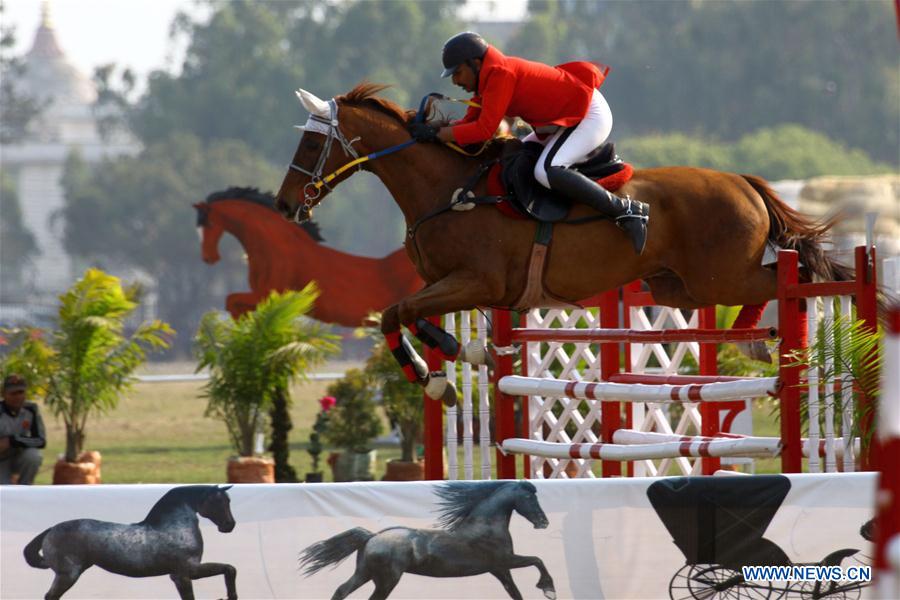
(423, 132)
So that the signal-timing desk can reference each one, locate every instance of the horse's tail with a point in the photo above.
(333, 550)
(791, 230)
(32, 552)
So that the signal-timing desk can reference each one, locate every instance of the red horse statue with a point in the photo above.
(285, 256)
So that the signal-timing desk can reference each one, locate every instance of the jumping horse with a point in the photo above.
(167, 542)
(350, 286)
(473, 515)
(707, 234)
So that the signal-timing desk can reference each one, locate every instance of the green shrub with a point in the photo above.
(353, 423)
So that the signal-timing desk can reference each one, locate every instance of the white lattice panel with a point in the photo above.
(657, 358)
(563, 419)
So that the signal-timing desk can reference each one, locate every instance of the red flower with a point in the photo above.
(326, 402)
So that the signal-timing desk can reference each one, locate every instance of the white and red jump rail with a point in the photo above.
(715, 394)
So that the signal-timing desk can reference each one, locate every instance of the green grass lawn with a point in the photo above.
(159, 434)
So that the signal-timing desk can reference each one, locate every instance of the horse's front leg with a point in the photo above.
(545, 583)
(457, 291)
(240, 302)
(199, 571)
(508, 584)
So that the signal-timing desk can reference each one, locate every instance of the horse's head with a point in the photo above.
(324, 147)
(528, 506)
(338, 133)
(216, 506)
(210, 231)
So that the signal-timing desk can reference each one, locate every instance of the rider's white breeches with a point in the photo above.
(580, 140)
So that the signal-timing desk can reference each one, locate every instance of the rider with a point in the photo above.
(562, 104)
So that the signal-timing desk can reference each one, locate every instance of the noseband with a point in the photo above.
(329, 128)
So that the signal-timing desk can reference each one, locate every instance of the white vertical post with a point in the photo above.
(812, 375)
(847, 395)
(452, 443)
(465, 328)
(484, 404)
(827, 327)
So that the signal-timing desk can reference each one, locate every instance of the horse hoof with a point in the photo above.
(476, 353)
(551, 594)
(437, 387)
(756, 350)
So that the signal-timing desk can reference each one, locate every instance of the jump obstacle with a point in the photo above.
(571, 380)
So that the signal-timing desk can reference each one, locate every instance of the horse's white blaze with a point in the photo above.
(313, 103)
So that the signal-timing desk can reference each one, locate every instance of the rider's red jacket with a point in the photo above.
(537, 93)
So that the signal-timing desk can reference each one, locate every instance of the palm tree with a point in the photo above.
(86, 365)
(255, 357)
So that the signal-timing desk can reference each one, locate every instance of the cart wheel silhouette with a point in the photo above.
(832, 590)
(718, 582)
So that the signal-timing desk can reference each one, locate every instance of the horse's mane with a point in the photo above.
(457, 499)
(364, 95)
(184, 494)
(264, 199)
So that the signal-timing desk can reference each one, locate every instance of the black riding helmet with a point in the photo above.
(460, 49)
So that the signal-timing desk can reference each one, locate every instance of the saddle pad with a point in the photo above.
(495, 186)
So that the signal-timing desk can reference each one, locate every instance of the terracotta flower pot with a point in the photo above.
(251, 469)
(85, 471)
(401, 470)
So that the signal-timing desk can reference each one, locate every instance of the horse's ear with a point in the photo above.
(313, 103)
(225, 488)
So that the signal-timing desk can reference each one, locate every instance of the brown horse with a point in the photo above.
(706, 237)
(350, 286)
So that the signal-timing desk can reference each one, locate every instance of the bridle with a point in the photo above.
(329, 128)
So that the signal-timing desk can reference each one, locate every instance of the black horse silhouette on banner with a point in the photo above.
(166, 542)
(474, 539)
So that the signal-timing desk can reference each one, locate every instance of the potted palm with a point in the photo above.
(404, 406)
(353, 424)
(85, 365)
(251, 359)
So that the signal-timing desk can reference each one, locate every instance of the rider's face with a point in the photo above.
(465, 77)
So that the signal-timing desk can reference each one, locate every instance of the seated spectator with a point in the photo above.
(22, 434)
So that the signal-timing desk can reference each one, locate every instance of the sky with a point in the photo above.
(135, 33)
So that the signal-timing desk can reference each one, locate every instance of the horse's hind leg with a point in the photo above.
(669, 290)
(61, 583)
(347, 588)
(385, 581)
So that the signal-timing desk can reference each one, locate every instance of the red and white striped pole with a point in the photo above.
(887, 541)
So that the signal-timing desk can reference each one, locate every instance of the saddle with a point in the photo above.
(513, 179)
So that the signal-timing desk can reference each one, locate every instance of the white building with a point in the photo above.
(66, 123)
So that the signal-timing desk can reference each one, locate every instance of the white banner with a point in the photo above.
(599, 538)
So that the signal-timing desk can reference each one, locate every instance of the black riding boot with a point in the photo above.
(630, 215)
